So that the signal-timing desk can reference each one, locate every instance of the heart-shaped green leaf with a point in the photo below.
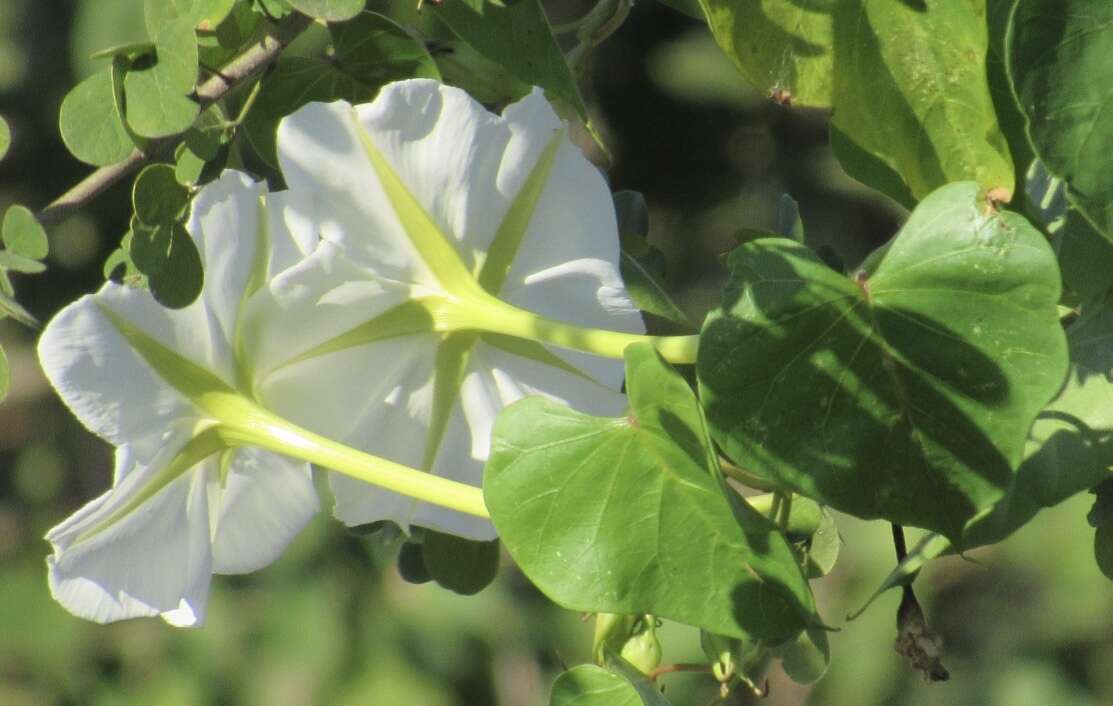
(626, 515)
(905, 394)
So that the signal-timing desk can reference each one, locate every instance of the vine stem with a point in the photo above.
(250, 62)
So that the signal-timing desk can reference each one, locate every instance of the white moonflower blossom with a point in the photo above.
(467, 260)
(185, 502)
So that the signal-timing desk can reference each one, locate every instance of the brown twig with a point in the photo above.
(244, 66)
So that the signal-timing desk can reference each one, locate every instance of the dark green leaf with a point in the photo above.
(869, 169)
(411, 564)
(1009, 117)
(1085, 256)
(460, 565)
(518, 37)
(588, 685)
(1102, 511)
(328, 10)
(1058, 56)
(158, 103)
(118, 266)
(178, 282)
(788, 219)
(880, 396)
(643, 266)
(23, 234)
(1070, 449)
(274, 9)
(911, 92)
(636, 514)
(150, 246)
(294, 82)
(690, 8)
(91, 123)
(779, 45)
(376, 50)
(129, 51)
(486, 81)
(157, 196)
(1103, 549)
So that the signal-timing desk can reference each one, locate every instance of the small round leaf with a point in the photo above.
(23, 234)
(157, 196)
(178, 282)
(90, 122)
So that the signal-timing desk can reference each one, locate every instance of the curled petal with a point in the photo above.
(153, 560)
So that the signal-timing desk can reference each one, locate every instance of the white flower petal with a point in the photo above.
(106, 383)
(292, 225)
(265, 501)
(587, 292)
(225, 225)
(323, 296)
(154, 560)
(320, 153)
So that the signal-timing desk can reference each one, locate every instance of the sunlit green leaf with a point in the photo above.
(912, 98)
(91, 124)
(781, 46)
(620, 515)
(329, 10)
(23, 234)
(157, 90)
(1059, 53)
(518, 37)
(877, 395)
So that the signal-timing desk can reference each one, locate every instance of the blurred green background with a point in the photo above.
(1027, 623)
